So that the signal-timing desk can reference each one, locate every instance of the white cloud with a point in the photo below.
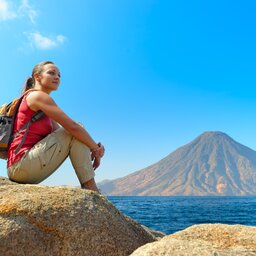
(43, 42)
(26, 10)
(6, 11)
(9, 11)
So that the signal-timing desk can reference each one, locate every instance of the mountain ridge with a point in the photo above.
(211, 164)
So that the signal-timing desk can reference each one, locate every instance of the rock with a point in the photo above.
(5, 181)
(40, 220)
(204, 240)
(157, 234)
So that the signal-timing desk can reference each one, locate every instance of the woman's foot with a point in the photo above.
(91, 185)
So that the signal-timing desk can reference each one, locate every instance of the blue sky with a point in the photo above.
(145, 77)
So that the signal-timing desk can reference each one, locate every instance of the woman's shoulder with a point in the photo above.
(37, 95)
(36, 100)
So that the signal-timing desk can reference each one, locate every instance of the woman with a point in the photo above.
(47, 144)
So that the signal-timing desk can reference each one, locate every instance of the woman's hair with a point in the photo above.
(30, 82)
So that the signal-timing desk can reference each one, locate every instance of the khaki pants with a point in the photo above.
(47, 155)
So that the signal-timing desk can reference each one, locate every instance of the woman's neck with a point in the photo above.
(41, 88)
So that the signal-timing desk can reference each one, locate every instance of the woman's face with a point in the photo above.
(49, 77)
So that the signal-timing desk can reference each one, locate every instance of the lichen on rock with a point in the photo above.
(40, 220)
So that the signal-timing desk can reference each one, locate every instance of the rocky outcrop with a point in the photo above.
(205, 240)
(40, 220)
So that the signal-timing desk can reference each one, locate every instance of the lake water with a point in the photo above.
(171, 214)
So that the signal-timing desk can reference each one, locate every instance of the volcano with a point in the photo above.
(213, 164)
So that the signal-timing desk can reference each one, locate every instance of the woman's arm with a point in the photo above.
(39, 100)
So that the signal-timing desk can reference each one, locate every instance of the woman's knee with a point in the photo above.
(79, 146)
(64, 137)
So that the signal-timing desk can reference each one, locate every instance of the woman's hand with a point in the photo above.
(96, 155)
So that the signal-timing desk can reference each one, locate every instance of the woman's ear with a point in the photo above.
(36, 76)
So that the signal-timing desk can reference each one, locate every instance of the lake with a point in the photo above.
(170, 214)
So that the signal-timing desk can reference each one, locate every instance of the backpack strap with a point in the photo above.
(38, 115)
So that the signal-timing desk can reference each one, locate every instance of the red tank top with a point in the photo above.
(37, 131)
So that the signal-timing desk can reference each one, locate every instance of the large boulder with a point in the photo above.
(40, 220)
(204, 240)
